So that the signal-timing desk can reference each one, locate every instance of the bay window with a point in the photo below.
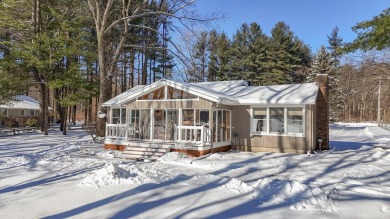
(277, 120)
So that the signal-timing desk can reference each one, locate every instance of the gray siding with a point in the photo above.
(194, 104)
(242, 140)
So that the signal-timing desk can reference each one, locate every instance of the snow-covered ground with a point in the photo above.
(59, 176)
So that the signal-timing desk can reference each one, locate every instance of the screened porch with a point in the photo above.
(196, 127)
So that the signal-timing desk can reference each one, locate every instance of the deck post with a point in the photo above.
(127, 132)
(201, 136)
(174, 134)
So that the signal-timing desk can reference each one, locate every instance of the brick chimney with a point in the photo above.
(322, 111)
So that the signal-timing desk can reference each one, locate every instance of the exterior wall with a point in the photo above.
(323, 111)
(170, 104)
(114, 147)
(242, 139)
(15, 113)
(196, 153)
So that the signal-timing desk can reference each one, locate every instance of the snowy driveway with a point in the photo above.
(45, 177)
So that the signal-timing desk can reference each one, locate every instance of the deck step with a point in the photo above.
(138, 157)
(163, 150)
(144, 153)
(149, 145)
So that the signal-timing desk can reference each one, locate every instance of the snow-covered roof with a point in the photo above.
(115, 100)
(22, 102)
(230, 92)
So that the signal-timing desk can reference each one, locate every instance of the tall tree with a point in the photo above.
(114, 15)
(372, 34)
(336, 97)
(335, 46)
(219, 64)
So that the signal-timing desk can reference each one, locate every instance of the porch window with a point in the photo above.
(276, 122)
(202, 117)
(188, 117)
(174, 94)
(119, 116)
(294, 120)
(259, 120)
(221, 129)
(134, 119)
(4, 112)
(158, 94)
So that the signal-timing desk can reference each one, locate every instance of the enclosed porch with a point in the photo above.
(176, 129)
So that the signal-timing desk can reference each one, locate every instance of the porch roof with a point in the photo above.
(230, 92)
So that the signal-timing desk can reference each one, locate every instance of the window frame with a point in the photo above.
(4, 112)
(121, 119)
(285, 122)
(165, 98)
(23, 112)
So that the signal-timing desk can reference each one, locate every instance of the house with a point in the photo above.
(201, 118)
(21, 109)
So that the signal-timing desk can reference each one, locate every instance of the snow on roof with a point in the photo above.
(277, 94)
(123, 95)
(231, 92)
(22, 102)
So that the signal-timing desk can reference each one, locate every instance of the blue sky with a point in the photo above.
(310, 20)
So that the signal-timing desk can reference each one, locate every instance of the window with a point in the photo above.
(168, 93)
(278, 120)
(23, 112)
(188, 117)
(175, 94)
(119, 116)
(32, 112)
(202, 117)
(158, 94)
(259, 120)
(134, 119)
(4, 112)
(294, 120)
(221, 128)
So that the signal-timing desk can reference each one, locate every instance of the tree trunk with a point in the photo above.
(105, 86)
(131, 68)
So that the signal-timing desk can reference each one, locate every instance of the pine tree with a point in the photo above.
(336, 100)
(219, 57)
(335, 45)
(200, 56)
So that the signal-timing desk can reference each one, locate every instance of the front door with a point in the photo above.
(171, 121)
(159, 124)
(164, 124)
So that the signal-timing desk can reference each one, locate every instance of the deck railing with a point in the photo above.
(198, 135)
(117, 131)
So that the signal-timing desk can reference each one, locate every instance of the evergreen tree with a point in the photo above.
(200, 57)
(219, 57)
(323, 64)
(44, 44)
(335, 45)
(336, 100)
(372, 34)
